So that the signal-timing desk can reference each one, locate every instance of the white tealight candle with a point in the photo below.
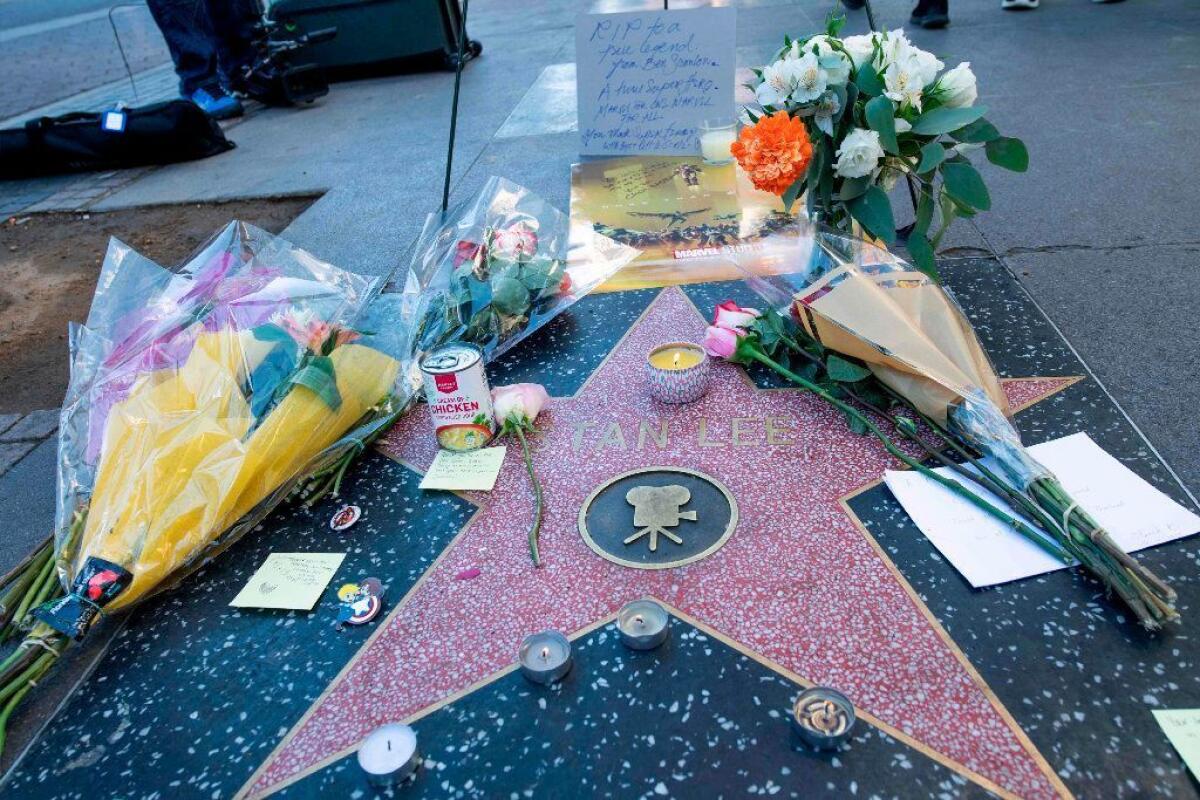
(643, 624)
(545, 657)
(388, 754)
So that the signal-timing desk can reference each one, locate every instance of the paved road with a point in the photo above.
(53, 50)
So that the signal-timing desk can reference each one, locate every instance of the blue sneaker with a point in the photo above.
(214, 102)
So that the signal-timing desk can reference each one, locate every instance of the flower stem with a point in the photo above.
(536, 528)
(756, 353)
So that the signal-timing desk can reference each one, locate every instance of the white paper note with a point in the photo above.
(473, 470)
(1135, 513)
(646, 80)
(1182, 727)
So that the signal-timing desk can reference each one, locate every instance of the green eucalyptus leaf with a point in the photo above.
(793, 191)
(924, 210)
(868, 81)
(977, 132)
(1008, 153)
(844, 371)
(873, 211)
(943, 120)
(922, 254)
(932, 155)
(879, 112)
(854, 187)
(964, 183)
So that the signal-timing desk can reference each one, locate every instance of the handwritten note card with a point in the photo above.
(647, 79)
(474, 470)
(289, 580)
(986, 553)
(1182, 727)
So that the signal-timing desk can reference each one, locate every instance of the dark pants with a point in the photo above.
(209, 40)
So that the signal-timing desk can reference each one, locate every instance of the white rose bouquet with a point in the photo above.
(844, 119)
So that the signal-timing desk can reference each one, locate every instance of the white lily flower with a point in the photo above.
(812, 79)
(779, 80)
(902, 82)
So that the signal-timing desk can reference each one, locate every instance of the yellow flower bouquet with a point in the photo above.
(198, 400)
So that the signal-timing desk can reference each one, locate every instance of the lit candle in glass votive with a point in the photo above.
(823, 718)
(716, 135)
(388, 755)
(545, 657)
(643, 624)
(677, 372)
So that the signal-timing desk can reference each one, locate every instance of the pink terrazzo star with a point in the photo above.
(799, 584)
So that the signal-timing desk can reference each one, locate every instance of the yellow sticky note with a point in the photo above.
(1182, 727)
(474, 470)
(289, 580)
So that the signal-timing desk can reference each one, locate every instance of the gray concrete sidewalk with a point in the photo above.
(1099, 230)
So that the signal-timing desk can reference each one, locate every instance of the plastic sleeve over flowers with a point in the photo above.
(860, 300)
(496, 268)
(197, 398)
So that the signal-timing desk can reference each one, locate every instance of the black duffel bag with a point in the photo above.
(162, 133)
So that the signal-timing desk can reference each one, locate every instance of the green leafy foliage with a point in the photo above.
(1008, 153)
(854, 187)
(868, 81)
(977, 132)
(873, 211)
(879, 113)
(943, 120)
(932, 155)
(965, 185)
(845, 371)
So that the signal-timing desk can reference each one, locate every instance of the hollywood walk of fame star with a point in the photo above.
(800, 584)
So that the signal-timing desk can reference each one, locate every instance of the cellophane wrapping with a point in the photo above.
(496, 268)
(858, 299)
(198, 398)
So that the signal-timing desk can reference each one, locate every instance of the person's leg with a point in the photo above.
(233, 24)
(931, 14)
(186, 27)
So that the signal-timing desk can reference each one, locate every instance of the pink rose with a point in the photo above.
(721, 342)
(730, 315)
(515, 242)
(524, 400)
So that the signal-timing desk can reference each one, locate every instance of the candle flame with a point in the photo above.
(545, 653)
(638, 619)
(677, 359)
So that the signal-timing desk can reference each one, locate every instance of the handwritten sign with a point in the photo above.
(289, 580)
(1182, 727)
(474, 470)
(646, 80)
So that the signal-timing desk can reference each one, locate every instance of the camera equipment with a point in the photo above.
(273, 78)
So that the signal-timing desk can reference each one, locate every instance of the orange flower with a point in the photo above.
(774, 152)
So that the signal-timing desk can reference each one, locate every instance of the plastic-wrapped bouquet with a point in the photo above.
(197, 400)
(842, 119)
(866, 332)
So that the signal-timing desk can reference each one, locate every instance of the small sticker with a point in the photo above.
(345, 517)
(360, 602)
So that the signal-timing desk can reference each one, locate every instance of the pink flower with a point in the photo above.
(467, 251)
(730, 315)
(515, 242)
(721, 342)
(525, 400)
